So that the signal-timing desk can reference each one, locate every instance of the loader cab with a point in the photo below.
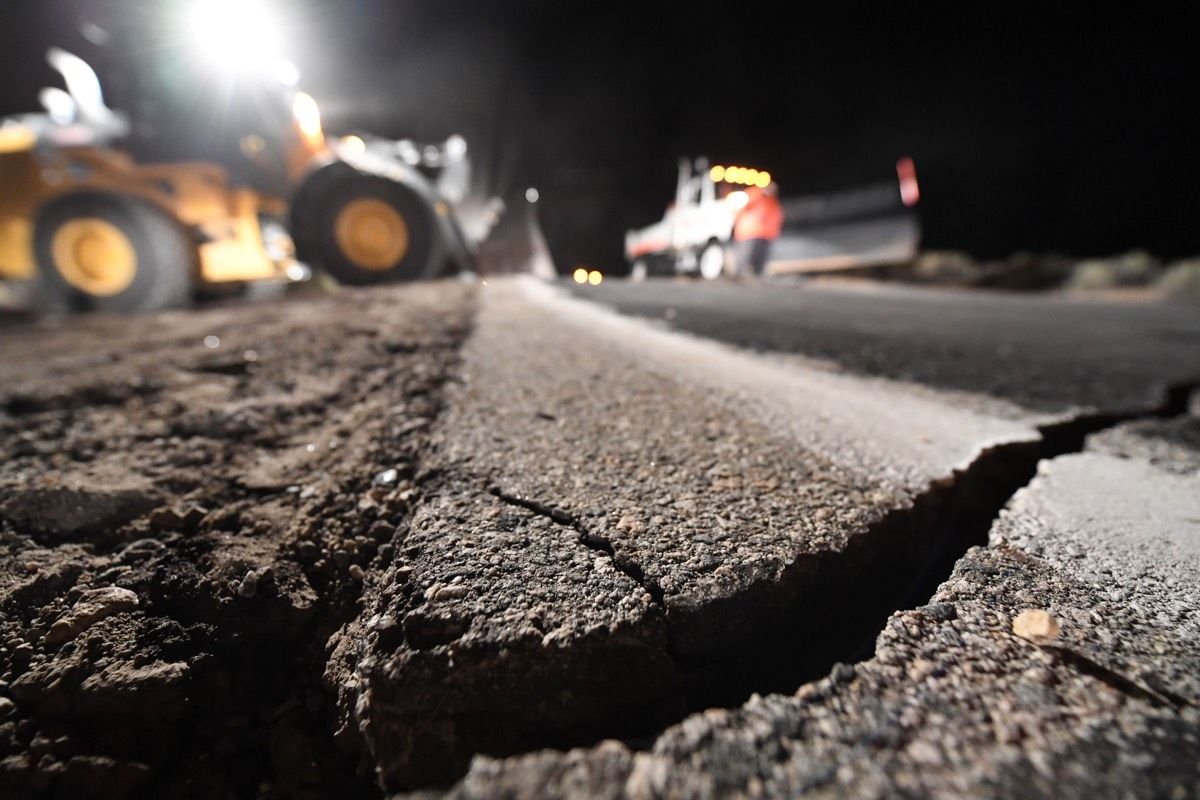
(191, 91)
(264, 132)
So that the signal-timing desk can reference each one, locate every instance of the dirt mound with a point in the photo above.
(186, 512)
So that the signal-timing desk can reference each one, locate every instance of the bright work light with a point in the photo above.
(235, 36)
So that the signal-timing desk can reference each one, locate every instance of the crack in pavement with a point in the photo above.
(955, 702)
(764, 554)
(1122, 683)
(587, 539)
(694, 554)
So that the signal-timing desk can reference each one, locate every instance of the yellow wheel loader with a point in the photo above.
(107, 212)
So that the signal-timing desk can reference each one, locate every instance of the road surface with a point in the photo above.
(498, 539)
(1042, 351)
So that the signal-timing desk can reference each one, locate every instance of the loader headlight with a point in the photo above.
(235, 36)
(308, 118)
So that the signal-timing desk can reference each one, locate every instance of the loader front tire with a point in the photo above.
(114, 254)
(365, 229)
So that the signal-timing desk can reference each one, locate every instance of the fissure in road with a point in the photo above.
(840, 603)
(613, 546)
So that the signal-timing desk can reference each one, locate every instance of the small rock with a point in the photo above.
(925, 753)
(448, 592)
(93, 606)
(648, 778)
(165, 519)
(1036, 625)
(942, 612)
(193, 516)
(630, 524)
(386, 478)
(249, 585)
(356, 572)
(842, 673)
(6, 707)
(920, 669)
(1182, 281)
(142, 548)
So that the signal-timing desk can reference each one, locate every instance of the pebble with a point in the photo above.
(924, 753)
(942, 612)
(93, 606)
(249, 585)
(1036, 625)
(448, 592)
(630, 524)
(842, 673)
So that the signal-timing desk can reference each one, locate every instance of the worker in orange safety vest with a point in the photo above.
(757, 226)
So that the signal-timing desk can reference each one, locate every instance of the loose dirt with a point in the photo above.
(187, 508)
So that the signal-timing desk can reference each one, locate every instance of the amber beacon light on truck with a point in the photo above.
(740, 176)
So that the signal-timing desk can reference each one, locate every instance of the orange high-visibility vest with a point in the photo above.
(761, 218)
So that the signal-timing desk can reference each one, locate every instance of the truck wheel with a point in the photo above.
(712, 262)
(364, 229)
(639, 271)
(111, 254)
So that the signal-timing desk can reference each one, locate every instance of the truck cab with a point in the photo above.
(693, 237)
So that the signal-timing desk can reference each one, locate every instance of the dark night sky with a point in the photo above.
(1072, 129)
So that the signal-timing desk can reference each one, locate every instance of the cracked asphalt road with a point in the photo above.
(432, 538)
(954, 703)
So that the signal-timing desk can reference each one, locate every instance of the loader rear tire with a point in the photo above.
(365, 229)
(111, 254)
